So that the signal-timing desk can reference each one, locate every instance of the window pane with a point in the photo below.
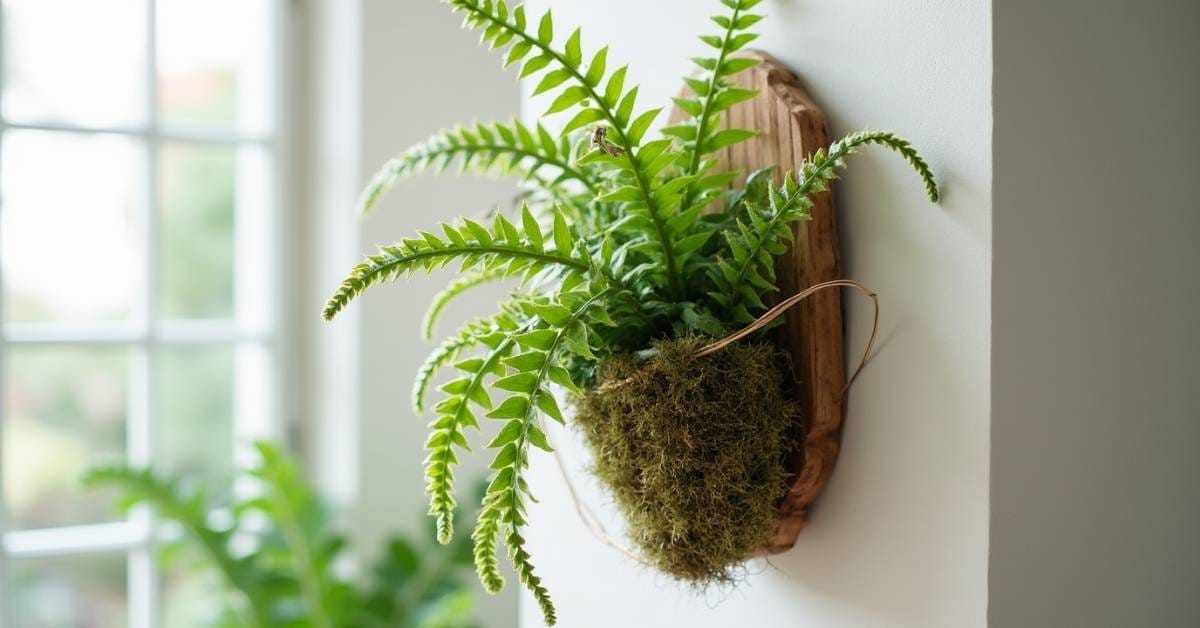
(64, 409)
(69, 244)
(75, 61)
(197, 248)
(195, 413)
(199, 82)
(70, 591)
(188, 591)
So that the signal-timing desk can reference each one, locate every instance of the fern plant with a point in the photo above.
(290, 577)
(613, 248)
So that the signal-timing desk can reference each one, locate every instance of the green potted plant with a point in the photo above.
(288, 575)
(632, 253)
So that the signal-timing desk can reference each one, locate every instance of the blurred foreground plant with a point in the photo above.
(281, 563)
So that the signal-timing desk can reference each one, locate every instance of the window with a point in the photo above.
(138, 314)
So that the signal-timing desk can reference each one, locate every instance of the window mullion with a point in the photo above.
(7, 617)
(143, 576)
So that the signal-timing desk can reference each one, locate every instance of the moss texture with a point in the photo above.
(692, 450)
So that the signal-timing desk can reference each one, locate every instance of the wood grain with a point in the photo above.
(792, 127)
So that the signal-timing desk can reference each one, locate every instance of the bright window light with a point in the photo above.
(138, 284)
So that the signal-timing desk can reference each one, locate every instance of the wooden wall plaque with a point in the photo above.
(791, 128)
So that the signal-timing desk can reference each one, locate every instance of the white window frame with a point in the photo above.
(147, 335)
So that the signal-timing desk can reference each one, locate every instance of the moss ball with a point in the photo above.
(692, 449)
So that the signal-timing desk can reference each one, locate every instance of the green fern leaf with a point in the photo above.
(752, 248)
(713, 93)
(170, 502)
(455, 289)
(557, 327)
(588, 90)
(455, 416)
(498, 148)
(471, 243)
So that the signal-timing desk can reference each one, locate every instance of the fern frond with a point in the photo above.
(712, 93)
(753, 244)
(506, 248)
(497, 148)
(560, 325)
(525, 571)
(170, 502)
(599, 101)
(451, 292)
(455, 416)
(748, 271)
(486, 538)
(452, 347)
(290, 504)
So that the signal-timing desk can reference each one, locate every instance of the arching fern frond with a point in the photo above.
(712, 93)
(486, 538)
(297, 513)
(560, 327)
(523, 565)
(451, 292)
(748, 271)
(190, 510)
(455, 416)
(497, 148)
(506, 248)
(643, 192)
(449, 350)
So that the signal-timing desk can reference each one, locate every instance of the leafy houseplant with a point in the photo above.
(630, 251)
(291, 578)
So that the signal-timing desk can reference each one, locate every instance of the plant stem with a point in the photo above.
(565, 166)
(710, 96)
(673, 281)
(302, 554)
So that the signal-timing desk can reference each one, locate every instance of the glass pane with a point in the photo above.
(70, 591)
(197, 249)
(64, 410)
(75, 61)
(189, 591)
(199, 82)
(69, 243)
(195, 413)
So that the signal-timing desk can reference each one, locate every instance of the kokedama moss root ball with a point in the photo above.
(692, 449)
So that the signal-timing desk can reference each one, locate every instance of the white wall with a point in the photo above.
(900, 536)
(418, 73)
(1095, 416)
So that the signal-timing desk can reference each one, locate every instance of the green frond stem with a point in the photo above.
(674, 282)
(162, 496)
(508, 485)
(473, 7)
(714, 81)
(439, 468)
(525, 571)
(761, 238)
(301, 554)
(437, 150)
(393, 261)
(792, 202)
(821, 166)
(486, 537)
(444, 354)
(452, 291)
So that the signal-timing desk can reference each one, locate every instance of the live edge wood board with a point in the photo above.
(791, 128)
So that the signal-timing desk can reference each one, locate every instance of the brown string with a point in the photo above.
(589, 517)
